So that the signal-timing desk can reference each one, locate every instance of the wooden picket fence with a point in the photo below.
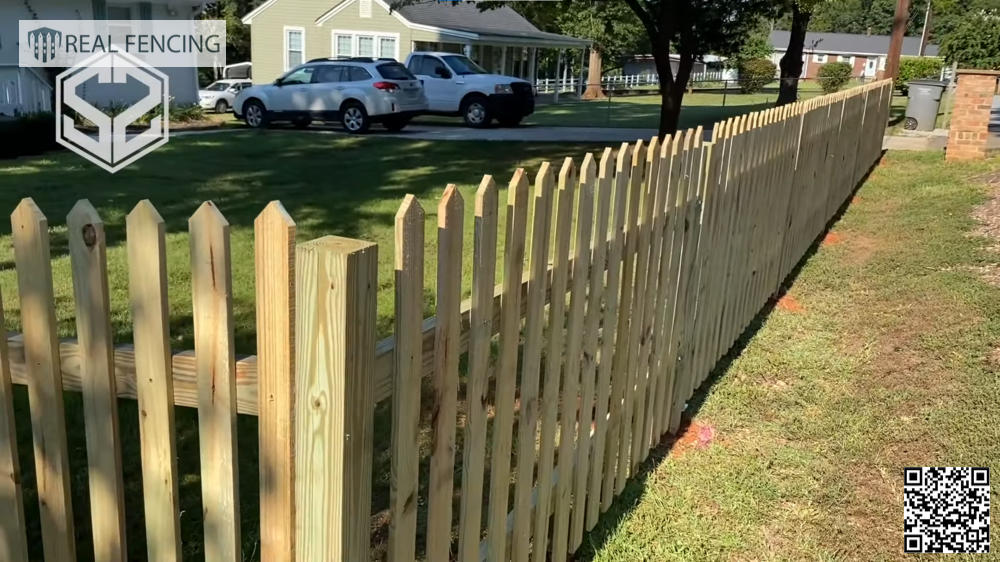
(644, 265)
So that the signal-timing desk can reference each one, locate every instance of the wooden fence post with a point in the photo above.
(336, 283)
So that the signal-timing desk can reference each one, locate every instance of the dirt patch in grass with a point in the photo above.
(860, 248)
(988, 214)
(789, 303)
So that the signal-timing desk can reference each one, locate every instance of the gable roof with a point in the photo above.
(851, 44)
(462, 19)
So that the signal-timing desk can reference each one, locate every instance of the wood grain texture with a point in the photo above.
(451, 213)
(29, 230)
(147, 266)
(215, 358)
(477, 389)
(403, 477)
(576, 407)
(557, 368)
(13, 530)
(599, 303)
(612, 338)
(506, 374)
(274, 268)
(543, 201)
(88, 261)
(336, 284)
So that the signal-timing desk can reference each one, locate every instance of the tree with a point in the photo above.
(800, 12)
(757, 45)
(974, 42)
(692, 28)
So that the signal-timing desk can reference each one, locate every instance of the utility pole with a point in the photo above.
(925, 36)
(896, 43)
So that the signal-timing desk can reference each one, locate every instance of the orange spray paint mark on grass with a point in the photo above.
(694, 436)
(789, 303)
(832, 238)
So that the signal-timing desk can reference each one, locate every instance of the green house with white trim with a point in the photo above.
(285, 33)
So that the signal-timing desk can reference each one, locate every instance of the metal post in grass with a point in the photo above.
(336, 285)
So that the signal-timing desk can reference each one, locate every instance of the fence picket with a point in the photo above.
(481, 318)
(13, 537)
(506, 374)
(147, 263)
(599, 307)
(87, 252)
(29, 230)
(550, 397)
(527, 424)
(274, 263)
(586, 346)
(215, 354)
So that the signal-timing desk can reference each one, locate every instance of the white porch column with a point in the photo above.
(503, 60)
(467, 50)
(555, 97)
(532, 65)
(579, 86)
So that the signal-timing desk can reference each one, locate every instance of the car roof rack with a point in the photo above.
(350, 59)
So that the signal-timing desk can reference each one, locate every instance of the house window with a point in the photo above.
(119, 13)
(365, 8)
(294, 46)
(819, 58)
(343, 45)
(366, 46)
(387, 47)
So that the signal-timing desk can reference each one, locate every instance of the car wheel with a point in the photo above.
(221, 106)
(354, 118)
(510, 121)
(254, 114)
(301, 122)
(396, 125)
(476, 112)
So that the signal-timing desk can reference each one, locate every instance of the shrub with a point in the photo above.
(27, 135)
(755, 74)
(833, 76)
(915, 68)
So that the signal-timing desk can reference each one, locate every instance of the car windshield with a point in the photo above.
(395, 71)
(218, 86)
(463, 65)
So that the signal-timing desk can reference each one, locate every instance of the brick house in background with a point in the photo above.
(865, 53)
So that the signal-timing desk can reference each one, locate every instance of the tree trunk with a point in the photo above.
(594, 90)
(672, 88)
(791, 62)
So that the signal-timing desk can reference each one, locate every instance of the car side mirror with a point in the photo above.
(278, 82)
(442, 72)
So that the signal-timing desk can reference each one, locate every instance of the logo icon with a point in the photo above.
(114, 147)
(44, 42)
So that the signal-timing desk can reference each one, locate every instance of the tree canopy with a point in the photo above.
(974, 42)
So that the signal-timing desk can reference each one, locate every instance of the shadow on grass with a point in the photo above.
(630, 497)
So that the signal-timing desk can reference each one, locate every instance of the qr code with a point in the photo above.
(946, 509)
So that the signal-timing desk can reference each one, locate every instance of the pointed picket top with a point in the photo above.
(27, 213)
(666, 145)
(567, 174)
(699, 135)
(410, 212)
(80, 216)
(486, 197)
(208, 216)
(451, 206)
(517, 189)
(144, 213)
(588, 169)
(274, 215)
(675, 145)
(637, 152)
(607, 163)
(624, 157)
(653, 150)
(543, 179)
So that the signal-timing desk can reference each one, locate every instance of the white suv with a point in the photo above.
(219, 95)
(456, 85)
(356, 91)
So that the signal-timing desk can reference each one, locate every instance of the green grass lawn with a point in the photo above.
(330, 184)
(884, 356)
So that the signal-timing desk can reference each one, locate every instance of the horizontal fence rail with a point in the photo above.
(624, 278)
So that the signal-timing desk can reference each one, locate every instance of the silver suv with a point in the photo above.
(355, 91)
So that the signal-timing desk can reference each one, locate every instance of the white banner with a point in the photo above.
(159, 43)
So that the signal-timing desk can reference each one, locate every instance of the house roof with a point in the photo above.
(851, 44)
(462, 19)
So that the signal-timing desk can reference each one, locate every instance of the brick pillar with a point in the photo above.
(970, 117)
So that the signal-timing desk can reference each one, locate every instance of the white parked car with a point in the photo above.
(355, 91)
(456, 85)
(219, 95)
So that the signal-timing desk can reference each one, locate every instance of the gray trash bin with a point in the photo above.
(922, 109)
